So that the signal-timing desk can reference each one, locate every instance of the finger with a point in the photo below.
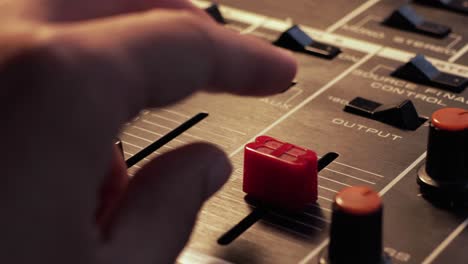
(112, 189)
(161, 57)
(171, 4)
(67, 11)
(157, 215)
(147, 4)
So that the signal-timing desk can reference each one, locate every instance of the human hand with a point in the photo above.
(71, 73)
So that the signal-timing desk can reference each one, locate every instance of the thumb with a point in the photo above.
(160, 208)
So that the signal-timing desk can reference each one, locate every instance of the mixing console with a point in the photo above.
(376, 125)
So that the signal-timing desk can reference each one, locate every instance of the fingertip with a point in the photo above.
(274, 73)
(219, 173)
(289, 63)
(112, 190)
(207, 160)
(173, 4)
(246, 65)
(284, 71)
(162, 204)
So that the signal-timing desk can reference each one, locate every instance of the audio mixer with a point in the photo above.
(363, 160)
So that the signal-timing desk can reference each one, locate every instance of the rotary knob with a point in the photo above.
(356, 229)
(444, 177)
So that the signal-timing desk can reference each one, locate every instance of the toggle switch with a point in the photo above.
(215, 13)
(296, 39)
(420, 70)
(460, 6)
(402, 115)
(280, 174)
(406, 18)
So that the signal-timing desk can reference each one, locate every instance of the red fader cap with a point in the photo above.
(280, 174)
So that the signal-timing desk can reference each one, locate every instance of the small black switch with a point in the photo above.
(420, 70)
(215, 13)
(362, 107)
(402, 115)
(460, 6)
(406, 18)
(297, 40)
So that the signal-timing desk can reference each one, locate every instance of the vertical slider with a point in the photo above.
(280, 174)
(165, 139)
(278, 177)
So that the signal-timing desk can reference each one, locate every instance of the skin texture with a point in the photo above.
(71, 73)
